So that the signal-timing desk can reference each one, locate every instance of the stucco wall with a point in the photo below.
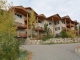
(55, 26)
(18, 19)
(72, 28)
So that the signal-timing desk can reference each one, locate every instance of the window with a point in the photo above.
(57, 28)
(39, 21)
(63, 22)
(50, 23)
(57, 22)
(19, 15)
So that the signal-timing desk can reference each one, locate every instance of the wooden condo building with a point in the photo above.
(55, 23)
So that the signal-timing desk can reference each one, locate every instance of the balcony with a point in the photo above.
(66, 29)
(68, 25)
(22, 35)
(21, 26)
(39, 28)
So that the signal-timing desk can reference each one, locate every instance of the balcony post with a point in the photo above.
(74, 29)
(53, 25)
(37, 25)
(70, 24)
(74, 26)
(27, 24)
(66, 25)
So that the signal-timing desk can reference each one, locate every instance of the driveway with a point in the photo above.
(54, 52)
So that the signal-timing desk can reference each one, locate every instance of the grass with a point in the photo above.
(25, 55)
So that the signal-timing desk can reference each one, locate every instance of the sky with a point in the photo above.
(51, 7)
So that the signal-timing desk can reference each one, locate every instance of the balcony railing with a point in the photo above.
(72, 25)
(66, 28)
(39, 28)
(20, 25)
(22, 35)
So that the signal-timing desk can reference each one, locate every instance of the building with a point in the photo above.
(55, 23)
(78, 26)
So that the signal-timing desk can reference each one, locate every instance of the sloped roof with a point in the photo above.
(55, 17)
(30, 9)
(20, 9)
(67, 18)
(42, 16)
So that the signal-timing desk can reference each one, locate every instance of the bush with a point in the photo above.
(46, 37)
(68, 34)
(63, 34)
(9, 50)
(9, 46)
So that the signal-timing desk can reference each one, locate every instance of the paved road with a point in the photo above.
(54, 52)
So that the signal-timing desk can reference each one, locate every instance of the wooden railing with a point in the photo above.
(39, 28)
(72, 25)
(22, 26)
(24, 35)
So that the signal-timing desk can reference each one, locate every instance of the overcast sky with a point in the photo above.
(51, 7)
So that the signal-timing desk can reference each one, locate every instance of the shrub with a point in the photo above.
(63, 34)
(68, 34)
(9, 50)
(46, 37)
(9, 46)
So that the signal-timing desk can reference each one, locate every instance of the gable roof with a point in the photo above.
(30, 9)
(42, 16)
(20, 9)
(55, 17)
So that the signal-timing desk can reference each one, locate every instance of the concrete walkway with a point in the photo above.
(54, 52)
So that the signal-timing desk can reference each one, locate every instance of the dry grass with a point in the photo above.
(29, 57)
